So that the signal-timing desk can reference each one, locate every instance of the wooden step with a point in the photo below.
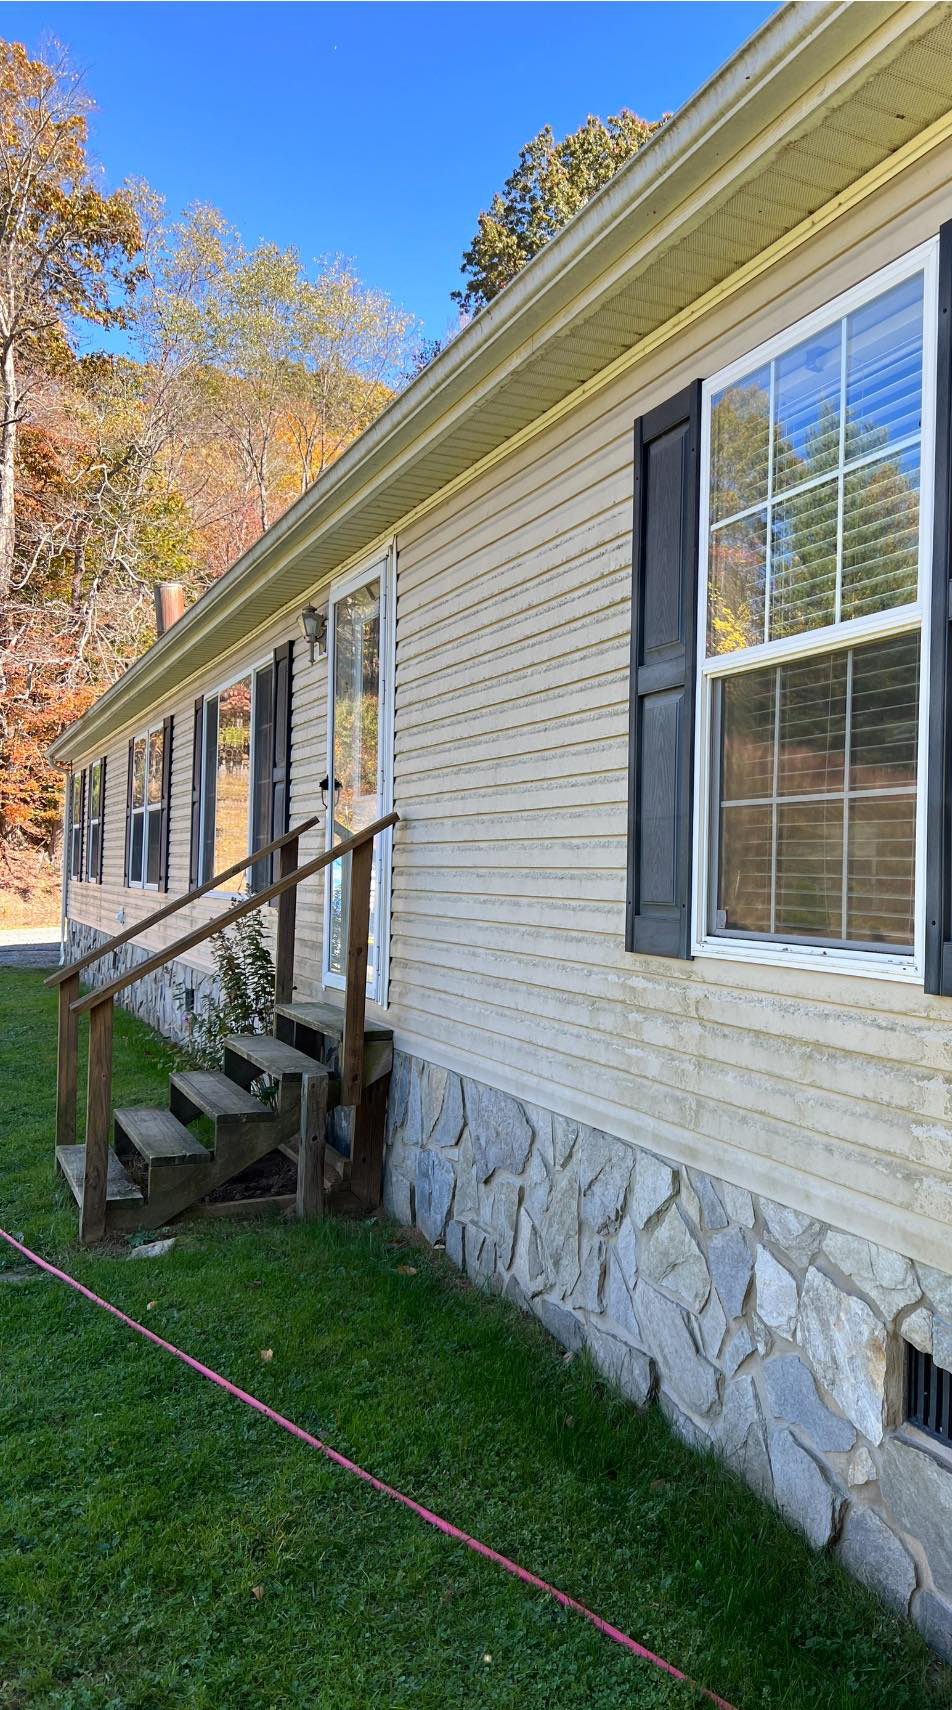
(326, 1018)
(119, 1187)
(158, 1137)
(213, 1094)
(272, 1056)
(311, 1023)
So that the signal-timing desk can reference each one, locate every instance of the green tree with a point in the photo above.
(551, 182)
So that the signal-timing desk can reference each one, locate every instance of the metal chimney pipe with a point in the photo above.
(169, 605)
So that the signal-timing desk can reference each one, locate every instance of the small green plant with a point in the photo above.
(245, 999)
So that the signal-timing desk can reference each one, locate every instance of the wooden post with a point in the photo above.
(355, 995)
(66, 1055)
(287, 908)
(310, 1177)
(92, 1214)
(368, 1131)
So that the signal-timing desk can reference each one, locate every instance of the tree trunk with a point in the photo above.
(8, 449)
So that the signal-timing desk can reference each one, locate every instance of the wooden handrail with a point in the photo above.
(105, 994)
(71, 968)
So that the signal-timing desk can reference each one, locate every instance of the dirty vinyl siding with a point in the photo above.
(508, 963)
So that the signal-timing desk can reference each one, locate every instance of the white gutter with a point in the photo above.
(780, 65)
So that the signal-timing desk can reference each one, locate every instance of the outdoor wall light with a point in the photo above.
(314, 629)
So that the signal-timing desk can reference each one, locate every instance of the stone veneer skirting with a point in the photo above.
(158, 998)
(766, 1336)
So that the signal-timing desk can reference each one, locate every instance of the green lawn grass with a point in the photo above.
(162, 1546)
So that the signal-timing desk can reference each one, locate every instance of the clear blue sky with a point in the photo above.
(373, 131)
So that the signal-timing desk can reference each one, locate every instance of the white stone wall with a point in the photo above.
(767, 1336)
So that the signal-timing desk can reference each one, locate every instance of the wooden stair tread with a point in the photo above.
(272, 1056)
(119, 1186)
(216, 1095)
(327, 1018)
(158, 1136)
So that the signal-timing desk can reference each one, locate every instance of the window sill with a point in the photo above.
(914, 1438)
(865, 964)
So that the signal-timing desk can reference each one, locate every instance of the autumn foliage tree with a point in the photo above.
(66, 250)
(550, 182)
(238, 375)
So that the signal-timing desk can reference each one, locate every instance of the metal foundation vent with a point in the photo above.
(928, 1395)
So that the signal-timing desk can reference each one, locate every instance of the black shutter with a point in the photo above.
(167, 729)
(81, 863)
(281, 741)
(938, 970)
(663, 668)
(125, 851)
(102, 813)
(195, 847)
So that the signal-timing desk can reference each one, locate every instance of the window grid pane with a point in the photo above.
(816, 830)
(832, 484)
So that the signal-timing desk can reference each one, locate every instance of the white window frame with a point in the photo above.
(97, 820)
(383, 565)
(143, 884)
(76, 862)
(264, 664)
(832, 638)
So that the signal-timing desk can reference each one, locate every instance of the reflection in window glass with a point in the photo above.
(76, 825)
(807, 409)
(884, 370)
(138, 771)
(803, 584)
(144, 855)
(816, 833)
(94, 820)
(881, 535)
(824, 528)
(356, 749)
(233, 780)
(156, 753)
(740, 436)
(737, 584)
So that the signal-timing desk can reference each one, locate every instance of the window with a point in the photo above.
(237, 752)
(814, 566)
(94, 820)
(360, 722)
(77, 796)
(928, 1394)
(147, 808)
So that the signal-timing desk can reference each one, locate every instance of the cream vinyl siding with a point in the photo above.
(830, 1093)
(833, 1094)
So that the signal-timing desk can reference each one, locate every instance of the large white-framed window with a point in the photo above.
(146, 815)
(237, 746)
(813, 647)
(360, 699)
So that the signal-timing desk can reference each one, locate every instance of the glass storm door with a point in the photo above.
(357, 746)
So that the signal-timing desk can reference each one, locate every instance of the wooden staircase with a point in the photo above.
(323, 1075)
(158, 1168)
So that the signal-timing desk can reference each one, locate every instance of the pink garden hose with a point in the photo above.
(446, 1526)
